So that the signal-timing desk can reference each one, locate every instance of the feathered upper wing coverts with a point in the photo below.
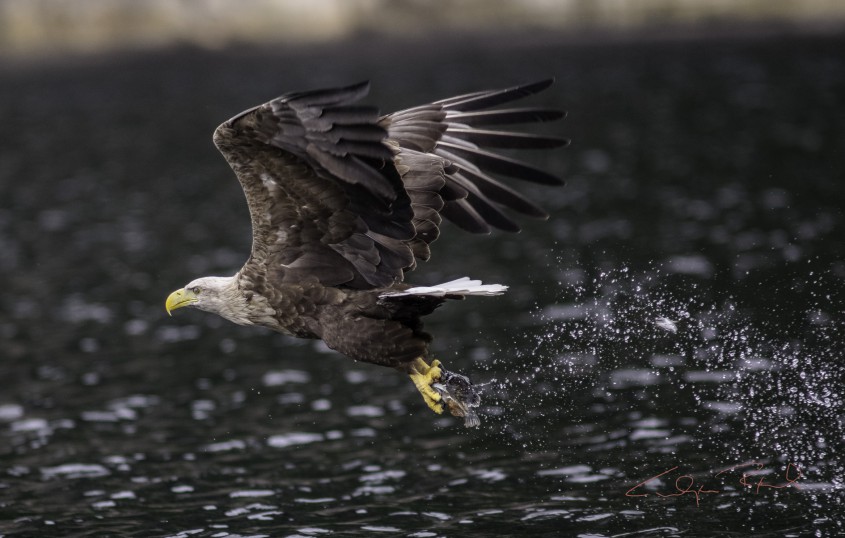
(344, 197)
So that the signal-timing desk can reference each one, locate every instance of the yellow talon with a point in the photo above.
(423, 377)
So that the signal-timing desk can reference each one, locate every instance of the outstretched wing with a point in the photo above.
(341, 196)
(447, 172)
(324, 196)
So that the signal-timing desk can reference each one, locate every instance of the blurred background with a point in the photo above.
(683, 307)
(44, 27)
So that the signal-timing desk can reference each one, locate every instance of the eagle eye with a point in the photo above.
(196, 290)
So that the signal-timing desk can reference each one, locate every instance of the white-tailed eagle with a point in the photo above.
(344, 202)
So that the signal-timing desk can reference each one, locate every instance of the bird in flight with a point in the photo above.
(344, 202)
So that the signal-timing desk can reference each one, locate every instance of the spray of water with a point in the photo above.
(658, 345)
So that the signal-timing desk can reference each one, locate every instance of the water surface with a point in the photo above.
(681, 311)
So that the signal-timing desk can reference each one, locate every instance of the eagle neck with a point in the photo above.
(230, 302)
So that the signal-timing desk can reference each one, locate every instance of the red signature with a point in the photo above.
(686, 485)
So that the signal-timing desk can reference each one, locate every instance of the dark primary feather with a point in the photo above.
(491, 98)
(344, 198)
(448, 128)
(464, 154)
(505, 139)
(504, 116)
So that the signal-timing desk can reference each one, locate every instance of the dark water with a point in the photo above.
(681, 311)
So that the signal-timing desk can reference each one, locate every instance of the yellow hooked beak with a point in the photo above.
(178, 299)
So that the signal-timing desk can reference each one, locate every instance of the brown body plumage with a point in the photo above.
(343, 202)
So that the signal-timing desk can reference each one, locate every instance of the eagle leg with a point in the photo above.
(424, 376)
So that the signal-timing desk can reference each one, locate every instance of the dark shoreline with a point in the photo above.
(491, 40)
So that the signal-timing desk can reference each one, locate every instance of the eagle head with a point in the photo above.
(211, 293)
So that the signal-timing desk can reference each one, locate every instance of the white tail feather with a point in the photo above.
(461, 286)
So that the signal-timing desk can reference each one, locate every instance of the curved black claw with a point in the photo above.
(460, 395)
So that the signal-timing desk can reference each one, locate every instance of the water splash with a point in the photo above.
(727, 382)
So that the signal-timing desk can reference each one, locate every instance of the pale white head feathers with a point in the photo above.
(216, 294)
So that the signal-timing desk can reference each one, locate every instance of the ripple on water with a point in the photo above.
(440, 516)
(594, 517)
(356, 376)
(641, 433)
(634, 377)
(121, 409)
(291, 398)
(251, 493)
(567, 498)
(75, 470)
(373, 490)
(364, 411)
(489, 475)
(10, 412)
(284, 377)
(712, 376)
(39, 425)
(321, 404)
(663, 361)
(382, 476)
(173, 334)
(566, 471)
(286, 440)
(250, 509)
(109, 416)
(689, 264)
(576, 474)
(225, 446)
(313, 531)
(192, 532)
(726, 408)
(543, 513)
(76, 310)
